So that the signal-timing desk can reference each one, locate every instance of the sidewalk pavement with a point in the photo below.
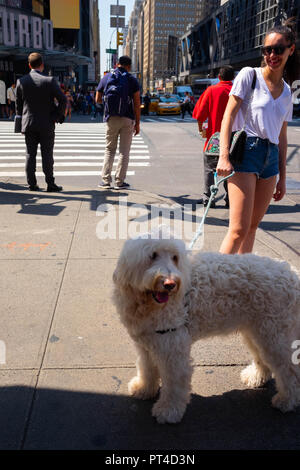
(66, 358)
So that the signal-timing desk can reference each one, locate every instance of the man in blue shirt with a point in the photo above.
(123, 121)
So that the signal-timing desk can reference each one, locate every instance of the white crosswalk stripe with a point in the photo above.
(78, 151)
(170, 119)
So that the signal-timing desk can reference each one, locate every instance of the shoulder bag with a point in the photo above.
(238, 138)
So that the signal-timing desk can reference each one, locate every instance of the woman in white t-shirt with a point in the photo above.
(253, 184)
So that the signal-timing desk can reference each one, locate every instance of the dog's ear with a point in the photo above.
(127, 264)
(120, 274)
(116, 276)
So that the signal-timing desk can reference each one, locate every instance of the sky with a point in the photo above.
(106, 32)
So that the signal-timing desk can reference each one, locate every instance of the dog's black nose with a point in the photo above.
(169, 284)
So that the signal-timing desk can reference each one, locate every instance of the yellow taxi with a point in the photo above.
(152, 105)
(168, 104)
(154, 100)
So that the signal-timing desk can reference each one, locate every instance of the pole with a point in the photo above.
(117, 28)
(109, 60)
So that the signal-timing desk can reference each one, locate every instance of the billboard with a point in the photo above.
(65, 14)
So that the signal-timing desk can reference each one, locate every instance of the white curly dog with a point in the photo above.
(168, 299)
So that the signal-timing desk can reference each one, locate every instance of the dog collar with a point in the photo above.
(162, 332)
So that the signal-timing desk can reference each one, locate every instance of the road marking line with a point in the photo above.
(59, 173)
(20, 165)
(58, 145)
(67, 151)
(67, 140)
(99, 158)
(165, 119)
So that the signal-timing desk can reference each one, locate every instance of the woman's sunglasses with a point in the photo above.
(278, 50)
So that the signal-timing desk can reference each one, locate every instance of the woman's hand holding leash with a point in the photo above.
(224, 167)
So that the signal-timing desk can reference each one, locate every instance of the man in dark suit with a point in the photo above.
(35, 102)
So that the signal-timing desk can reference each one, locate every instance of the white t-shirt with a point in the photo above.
(11, 94)
(266, 115)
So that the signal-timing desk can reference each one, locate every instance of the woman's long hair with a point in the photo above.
(292, 67)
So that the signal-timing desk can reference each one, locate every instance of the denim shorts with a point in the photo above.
(260, 157)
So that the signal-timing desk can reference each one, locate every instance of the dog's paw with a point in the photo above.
(167, 414)
(253, 377)
(283, 403)
(138, 389)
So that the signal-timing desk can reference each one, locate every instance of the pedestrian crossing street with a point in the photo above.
(78, 151)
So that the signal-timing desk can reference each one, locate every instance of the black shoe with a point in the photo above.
(122, 186)
(104, 185)
(53, 188)
(205, 203)
(212, 204)
(34, 187)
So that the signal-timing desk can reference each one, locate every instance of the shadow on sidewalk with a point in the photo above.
(62, 419)
(43, 203)
(52, 204)
(278, 224)
(36, 202)
(283, 209)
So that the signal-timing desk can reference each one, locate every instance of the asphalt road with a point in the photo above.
(166, 158)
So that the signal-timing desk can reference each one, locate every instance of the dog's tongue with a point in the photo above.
(162, 297)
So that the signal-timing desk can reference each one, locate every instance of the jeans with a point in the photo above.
(260, 157)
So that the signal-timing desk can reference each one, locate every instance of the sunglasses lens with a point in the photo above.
(266, 50)
(278, 50)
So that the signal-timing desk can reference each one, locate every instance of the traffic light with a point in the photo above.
(119, 39)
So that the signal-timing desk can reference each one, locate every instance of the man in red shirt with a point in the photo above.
(211, 105)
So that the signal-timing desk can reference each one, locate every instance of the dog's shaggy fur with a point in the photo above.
(167, 300)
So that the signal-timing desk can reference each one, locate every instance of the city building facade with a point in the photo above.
(152, 39)
(171, 40)
(206, 7)
(162, 19)
(231, 34)
(131, 44)
(68, 40)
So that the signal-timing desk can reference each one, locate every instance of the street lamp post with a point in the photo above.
(117, 41)
(109, 54)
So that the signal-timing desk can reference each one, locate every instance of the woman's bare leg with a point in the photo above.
(241, 191)
(263, 194)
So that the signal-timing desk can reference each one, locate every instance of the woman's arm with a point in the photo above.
(282, 147)
(224, 166)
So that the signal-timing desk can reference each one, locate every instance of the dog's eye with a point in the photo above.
(175, 259)
(154, 255)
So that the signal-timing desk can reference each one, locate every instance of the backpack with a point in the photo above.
(117, 101)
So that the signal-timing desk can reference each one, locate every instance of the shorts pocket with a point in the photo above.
(251, 145)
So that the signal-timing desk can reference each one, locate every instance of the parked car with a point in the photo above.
(168, 104)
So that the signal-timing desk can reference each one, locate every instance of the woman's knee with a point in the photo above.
(239, 232)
